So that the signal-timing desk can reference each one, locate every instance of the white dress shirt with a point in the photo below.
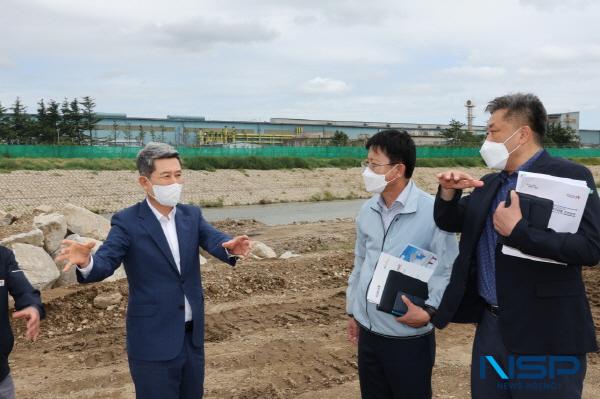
(167, 223)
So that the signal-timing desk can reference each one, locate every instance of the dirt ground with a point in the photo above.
(274, 329)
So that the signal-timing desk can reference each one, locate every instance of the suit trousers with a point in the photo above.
(395, 368)
(178, 378)
(487, 383)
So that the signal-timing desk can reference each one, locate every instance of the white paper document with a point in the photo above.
(414, 262)
(569, 197)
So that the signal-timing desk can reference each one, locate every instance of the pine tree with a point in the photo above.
(77, 122)
(89, 117)
(4, 128)
(20, 124)
(65, 124)
(53, 120)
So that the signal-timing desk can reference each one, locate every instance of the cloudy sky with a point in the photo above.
(385, 60)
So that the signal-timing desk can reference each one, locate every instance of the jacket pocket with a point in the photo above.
(134, 310)
(558, 288)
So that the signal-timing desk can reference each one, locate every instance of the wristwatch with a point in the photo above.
(431, 311)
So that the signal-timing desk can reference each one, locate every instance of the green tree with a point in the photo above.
(339, 139)
(89, 117)
(53, 120)
(457, 135)
(559, 135)
(66, 133)
(4, 127)
(21, 126)
(77, 122)
(46, 122)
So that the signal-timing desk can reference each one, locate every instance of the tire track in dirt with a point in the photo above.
(280, 348)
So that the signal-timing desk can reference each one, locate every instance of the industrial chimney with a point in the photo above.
(469, 104)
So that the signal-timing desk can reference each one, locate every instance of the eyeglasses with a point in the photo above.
(371, 165)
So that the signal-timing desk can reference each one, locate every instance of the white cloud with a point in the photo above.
(325, 86)
(199, 33)
(550, 5)
(475, 72)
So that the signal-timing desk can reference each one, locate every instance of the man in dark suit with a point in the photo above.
(158, 241)
(29, 307)
(534, 325)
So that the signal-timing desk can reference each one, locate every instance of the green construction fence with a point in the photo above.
(48, 151)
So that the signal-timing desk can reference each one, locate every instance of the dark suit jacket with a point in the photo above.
(155, 313)
(543, 306)
(13, 282)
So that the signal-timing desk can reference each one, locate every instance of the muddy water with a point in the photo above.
(285, 213)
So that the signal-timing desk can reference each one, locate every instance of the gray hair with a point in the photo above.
(151, 152)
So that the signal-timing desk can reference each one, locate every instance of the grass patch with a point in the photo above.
(97, 164)
(586, 161)
(217, 203)
(242, 164)
(267, 163)
(449, 162)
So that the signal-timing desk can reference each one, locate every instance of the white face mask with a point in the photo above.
(495, 154)
(168, 195)
(375, 183)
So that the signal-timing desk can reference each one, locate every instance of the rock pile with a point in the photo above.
(36, 250)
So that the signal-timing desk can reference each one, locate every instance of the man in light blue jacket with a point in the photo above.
(395, 354)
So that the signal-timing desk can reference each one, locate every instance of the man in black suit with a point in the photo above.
(534, 325)
(28, 306)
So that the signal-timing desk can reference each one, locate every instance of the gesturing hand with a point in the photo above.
(32, 315)
(452, 180)
(75, 253)
(239, 246)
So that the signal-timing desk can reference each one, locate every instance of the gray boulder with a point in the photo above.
(86, 223)
(54, 227)
(34, 237)
(37, 265)
(261, 250)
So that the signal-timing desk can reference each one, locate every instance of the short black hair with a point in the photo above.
(398, 146)
(522, 105)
